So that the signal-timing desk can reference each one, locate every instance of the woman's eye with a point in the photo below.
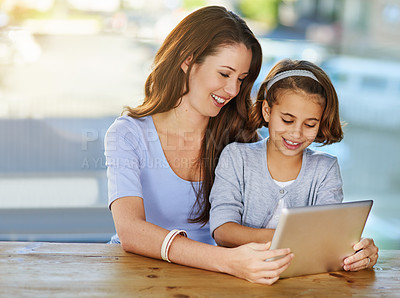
(310, 125)
(241, 80)
(224, 75)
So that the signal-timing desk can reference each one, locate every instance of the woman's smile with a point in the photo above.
(219, 101)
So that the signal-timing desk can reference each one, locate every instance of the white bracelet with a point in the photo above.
(167, 243)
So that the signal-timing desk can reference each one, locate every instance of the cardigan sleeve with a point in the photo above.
(226, 193)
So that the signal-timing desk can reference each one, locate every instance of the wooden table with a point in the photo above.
(38, 269)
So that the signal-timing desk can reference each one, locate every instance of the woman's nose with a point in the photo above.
(232, 87)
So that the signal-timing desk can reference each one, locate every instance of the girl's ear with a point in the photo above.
(186, 63)
(266, 111)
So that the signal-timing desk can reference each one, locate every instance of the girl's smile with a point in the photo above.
(291, 145)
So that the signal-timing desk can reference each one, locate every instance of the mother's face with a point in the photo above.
(213, 83)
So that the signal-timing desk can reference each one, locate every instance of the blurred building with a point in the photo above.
(372, 28)
(368, 28)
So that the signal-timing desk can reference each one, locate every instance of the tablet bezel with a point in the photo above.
(320, 236)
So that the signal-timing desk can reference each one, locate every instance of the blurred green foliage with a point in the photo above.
(192, 4)
(20, 13)
(265, 11)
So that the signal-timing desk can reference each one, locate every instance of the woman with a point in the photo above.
(162, 156)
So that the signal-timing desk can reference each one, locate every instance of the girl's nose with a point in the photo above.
(297, 131)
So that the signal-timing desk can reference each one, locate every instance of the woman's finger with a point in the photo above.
(276, 253)
(280, 266)
(266, 281)
(259, 246)
(278, 263)
(268, 276)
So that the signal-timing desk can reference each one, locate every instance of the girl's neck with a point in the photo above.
(281, 167)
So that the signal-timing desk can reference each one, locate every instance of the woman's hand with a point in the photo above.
(248, 262)
(365, 257)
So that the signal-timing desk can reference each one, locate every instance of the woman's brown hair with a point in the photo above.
(330, 129)
(201, 34)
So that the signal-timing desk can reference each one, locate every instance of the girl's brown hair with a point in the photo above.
(330, 129)
(201, 34)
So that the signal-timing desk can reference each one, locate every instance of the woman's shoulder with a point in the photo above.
(133, 131)
(127, 124)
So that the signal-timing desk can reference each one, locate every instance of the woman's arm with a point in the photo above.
(239, 235)
(247, 261)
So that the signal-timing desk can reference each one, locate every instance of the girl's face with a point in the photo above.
(293, 121)
(217, 80)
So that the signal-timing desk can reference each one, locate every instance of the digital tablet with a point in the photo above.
(321, 236)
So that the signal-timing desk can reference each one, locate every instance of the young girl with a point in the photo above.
(253, 182)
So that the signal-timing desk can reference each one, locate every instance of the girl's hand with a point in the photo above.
(365, 256)
(248, 262)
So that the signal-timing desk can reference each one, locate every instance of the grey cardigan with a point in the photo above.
(244, 191)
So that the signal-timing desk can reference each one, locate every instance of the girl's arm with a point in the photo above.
(331, 191)
(247, 261)
(227, 202)
(228, 225)
(365, 256)
(232, 234)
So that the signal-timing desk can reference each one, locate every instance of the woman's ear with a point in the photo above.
(266, 111)
(186, 63)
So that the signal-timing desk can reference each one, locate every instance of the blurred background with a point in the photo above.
(67, 68)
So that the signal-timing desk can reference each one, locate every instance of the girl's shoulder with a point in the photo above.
(319, 157)
(246, 148)
(239, 154)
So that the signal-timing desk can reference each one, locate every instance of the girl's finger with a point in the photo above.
(362, 264)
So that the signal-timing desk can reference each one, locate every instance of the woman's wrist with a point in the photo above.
(224, 257)
(168, 241)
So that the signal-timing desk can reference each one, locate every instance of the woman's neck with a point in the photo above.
(181, 122)
(181, 136)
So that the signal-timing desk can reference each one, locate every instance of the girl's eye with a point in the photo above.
(310, 125)
(287, 121)
(241, 80)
